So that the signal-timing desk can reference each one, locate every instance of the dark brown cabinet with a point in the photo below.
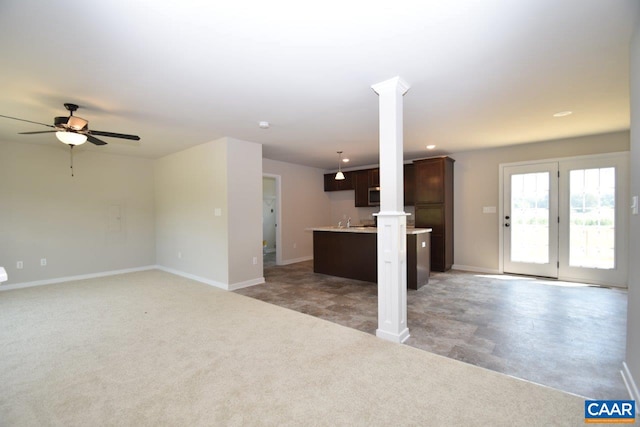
(367, 178)
(362, 180)
(331, 184)
(362, 188)
(409, 184)
(354, 255)
(434, 207)
(374, 177)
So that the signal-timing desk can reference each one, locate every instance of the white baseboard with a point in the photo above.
(296, 260)
(629, 382)
(73, 278)
(194, 277)
(608, 284)
(226, 287)
(477, 269)
(246, 284)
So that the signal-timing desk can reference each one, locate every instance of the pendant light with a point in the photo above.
(339, 175)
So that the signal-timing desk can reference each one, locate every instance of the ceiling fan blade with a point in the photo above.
(114, 135)
(33, 133)
(94, 140)
(28, 121)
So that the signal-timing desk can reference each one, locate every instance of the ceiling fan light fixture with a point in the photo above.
(77, 123)
(71, 138)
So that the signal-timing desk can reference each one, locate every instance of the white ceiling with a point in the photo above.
(483, 73)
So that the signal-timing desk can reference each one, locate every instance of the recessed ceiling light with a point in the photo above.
(563, 113)
(431, 147)
(264, 125)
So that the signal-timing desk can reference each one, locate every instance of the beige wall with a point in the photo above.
(244, 187)
(191, 186)
(304, 204)
(476, 185)
(633, 312)
(98, 221)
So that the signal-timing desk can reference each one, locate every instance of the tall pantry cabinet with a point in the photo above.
(434, 207)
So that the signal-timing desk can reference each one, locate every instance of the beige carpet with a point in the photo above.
(151, 348)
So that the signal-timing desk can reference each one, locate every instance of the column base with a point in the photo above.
(397, 338)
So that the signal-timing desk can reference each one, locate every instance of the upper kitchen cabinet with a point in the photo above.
(361, 185)
(374, 177)
(434, 207)
(331, 184)
(409, 184)
(363, 180)
(434, 177)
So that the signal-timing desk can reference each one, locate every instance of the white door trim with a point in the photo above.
(560, 160)
(278, 179)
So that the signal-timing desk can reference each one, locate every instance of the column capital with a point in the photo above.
(395, 83)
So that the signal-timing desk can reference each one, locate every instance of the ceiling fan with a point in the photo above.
(74, 130)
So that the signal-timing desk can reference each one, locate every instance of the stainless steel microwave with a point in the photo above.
(374, 196)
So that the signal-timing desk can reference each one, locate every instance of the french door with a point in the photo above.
(530, 220)
(567, 219)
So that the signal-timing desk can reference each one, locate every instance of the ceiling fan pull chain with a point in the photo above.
(71, 157)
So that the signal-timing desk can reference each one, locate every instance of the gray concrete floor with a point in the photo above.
(562, 335)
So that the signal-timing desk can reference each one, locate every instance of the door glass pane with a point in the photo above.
(530, 218)
(592, 218)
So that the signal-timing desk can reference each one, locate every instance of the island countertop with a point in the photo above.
(364, 229)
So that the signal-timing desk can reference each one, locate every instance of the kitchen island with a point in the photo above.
(352, 252)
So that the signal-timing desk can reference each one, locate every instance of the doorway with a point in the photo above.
(271, 219)
(566, 219)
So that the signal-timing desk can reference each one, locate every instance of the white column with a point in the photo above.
(392, 220)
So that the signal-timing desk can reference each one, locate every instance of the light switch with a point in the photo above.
(634, 205)
(488, 209)
(217, 212)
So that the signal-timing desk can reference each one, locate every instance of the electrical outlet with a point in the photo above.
(43, 262)
(179, 255)
(255, 260)
(295, 245)
(19, 265)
